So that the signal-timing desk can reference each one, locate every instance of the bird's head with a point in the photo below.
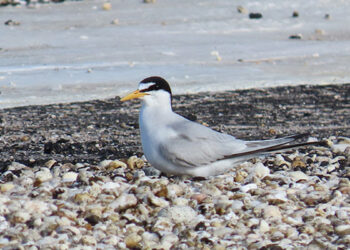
(152, 88)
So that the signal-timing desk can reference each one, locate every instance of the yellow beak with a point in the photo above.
(133, 95)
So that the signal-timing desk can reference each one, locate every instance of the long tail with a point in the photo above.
(277, 145)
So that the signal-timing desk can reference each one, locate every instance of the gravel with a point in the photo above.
(73, 176)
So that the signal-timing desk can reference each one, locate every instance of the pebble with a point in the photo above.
(260, 170)
(159, 202)
(295, 14)
(298, 176)
(133, 240)
(43, 175)
(340, 148)
(112, 165)
(272, 212)
(69, 177)
(123, 202)
(88, 240)
(83, 198)
(20, 217)
(296, 36)
(6, 187)
(50, 163)
(255, 15)
(115, 21)
(168, 241)
(179, 214)
(343, 230)
(264, 227)
(107, 6)
(248, 187)
(241, 9)
(135, 162)
(11, 22)
(298, 163)
(115, 207)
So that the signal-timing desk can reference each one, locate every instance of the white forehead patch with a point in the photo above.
(143, 86)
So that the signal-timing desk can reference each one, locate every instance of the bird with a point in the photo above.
(177, 146)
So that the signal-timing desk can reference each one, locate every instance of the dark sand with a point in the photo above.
(89, 132)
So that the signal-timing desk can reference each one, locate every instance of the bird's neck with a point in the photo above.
(156, 105)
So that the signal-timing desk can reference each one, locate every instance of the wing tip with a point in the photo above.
(298, 136)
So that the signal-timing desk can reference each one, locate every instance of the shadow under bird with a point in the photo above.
(176, 145)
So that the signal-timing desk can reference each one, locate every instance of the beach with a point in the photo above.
(73, 176)
(72, 170)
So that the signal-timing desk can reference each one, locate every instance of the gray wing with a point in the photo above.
(195, 145)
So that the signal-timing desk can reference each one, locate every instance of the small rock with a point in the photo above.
(135, 162)
(339, 148)
(12, 23)
(163, 224)
(150, 240)
(82, 198)
(221, 232)
(277, 197)
(104, 164)
(174, 190)
(42, 176)
(241, 9)
(50, 163)
(343, 230)
(21, 217)
(255, 15)
(264, 226)
(115, 21)
(88, 240)
(25, 138)
(319, 32)
(276, 236)
(168, 241)
(110, 185)
(240, 176)
(260, 170)
(296, 36)
(112, 240)
(69, 177)
(272, 212)
(180, 202)
(159, 202)
(298, 176)
(298, 163)
(217, 55)
(179, 214)
(237, 205)
(123, 202)
(199, 197)
(112, 165)
(107, 6)
(93, 219)
(149, 1)
(248, 187)
(133, 240)
(295, 14)
(327, 16)
(6, 187)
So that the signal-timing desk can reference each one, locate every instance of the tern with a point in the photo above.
(175, 145)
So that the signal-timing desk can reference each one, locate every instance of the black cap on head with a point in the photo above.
(159, 83)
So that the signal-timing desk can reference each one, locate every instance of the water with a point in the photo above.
(71, 51)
